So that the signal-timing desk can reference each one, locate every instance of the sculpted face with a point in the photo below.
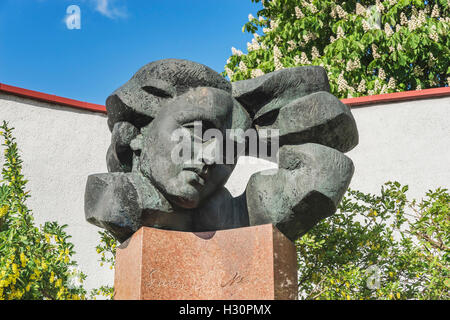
(161, 98)
(180, 127)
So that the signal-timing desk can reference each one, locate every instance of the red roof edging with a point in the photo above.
(351, 102)
(398, 96)
(51, 98)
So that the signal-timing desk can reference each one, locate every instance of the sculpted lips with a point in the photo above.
(199, 173)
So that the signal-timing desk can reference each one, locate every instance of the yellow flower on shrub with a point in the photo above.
(23, 259)
(3, 210)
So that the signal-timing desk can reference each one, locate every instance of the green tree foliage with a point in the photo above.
(379, 247)
(35, 263)
(367, 47)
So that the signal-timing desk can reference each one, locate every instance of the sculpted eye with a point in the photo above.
(159, 92)
(267, 119)
(198, 127)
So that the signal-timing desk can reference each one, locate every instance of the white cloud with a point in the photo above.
(109, 9)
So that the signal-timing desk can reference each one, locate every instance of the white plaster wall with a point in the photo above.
(61, 146)
(407, 141)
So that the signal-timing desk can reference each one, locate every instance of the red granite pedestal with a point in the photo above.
(252, 263)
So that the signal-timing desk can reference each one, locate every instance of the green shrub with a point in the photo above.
(35, 262)
(379, 247)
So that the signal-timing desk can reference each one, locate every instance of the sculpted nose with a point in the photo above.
(209, 151)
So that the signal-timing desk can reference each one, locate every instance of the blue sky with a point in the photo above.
(117, 37)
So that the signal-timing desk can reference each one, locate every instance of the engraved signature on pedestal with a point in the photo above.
(237, 278)
(175, 283)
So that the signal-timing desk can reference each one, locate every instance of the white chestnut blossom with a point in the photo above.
(375, 54)
(307, 37)
(315, 53)
(277, 55)
(417, 20)
(310, 6)
(229, 72)
(360, 10)
(388, 30)
(377, 87)
(273, 24)
(422, 17)
(353, 65)
(298, 13)
(304, 59)
(379, 6)
(381, 74)
(340, 12)
(243, 67)
(278, 40)
(254, 45)
(333, 13)
(434, 36)
(431, 60)
(365, 25)
(340, 32)
(236, 52)
(313, 8)
(292, 45)
(418, 71)
(403, 19)
(362, 86)
(257, 73)
(250, 17)
(391, 83)
(342, 83)
(435, 13)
